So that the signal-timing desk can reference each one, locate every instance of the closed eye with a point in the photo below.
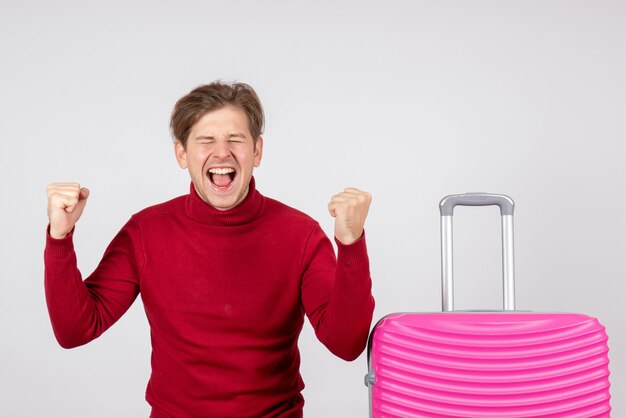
(236, 138)
(205, 140)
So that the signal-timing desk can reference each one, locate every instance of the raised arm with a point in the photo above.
(82, 310)
(337, 295)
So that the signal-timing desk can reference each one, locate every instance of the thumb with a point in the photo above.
(82, 200)
(84, 194)
(332, 210)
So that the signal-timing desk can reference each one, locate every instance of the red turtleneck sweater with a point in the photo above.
(225, 293)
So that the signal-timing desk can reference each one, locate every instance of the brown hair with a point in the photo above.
(214, 96)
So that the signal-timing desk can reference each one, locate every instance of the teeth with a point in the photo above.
(221, 170)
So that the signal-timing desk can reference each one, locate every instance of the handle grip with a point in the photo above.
(448, 203)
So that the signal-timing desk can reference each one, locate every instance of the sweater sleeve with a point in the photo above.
(337, 294)
(80, 311)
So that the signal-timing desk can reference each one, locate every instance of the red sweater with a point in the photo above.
(225, 293)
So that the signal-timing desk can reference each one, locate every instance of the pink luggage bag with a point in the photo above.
(481, 364)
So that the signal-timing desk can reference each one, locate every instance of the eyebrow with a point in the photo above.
(236, 135)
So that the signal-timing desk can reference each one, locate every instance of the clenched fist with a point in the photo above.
(349, 208)
(66, 202)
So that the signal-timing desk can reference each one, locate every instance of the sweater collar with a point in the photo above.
(248, 210)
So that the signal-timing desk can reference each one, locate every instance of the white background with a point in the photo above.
(410, 100)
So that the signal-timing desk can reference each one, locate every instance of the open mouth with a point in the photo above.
(221, 178)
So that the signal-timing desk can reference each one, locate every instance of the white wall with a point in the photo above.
(411, 100)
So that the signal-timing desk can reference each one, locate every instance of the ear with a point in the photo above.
(258, 151)
(181, 154)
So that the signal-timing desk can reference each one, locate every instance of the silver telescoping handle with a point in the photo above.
(446, 207)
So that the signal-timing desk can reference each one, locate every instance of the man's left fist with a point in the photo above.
(349, 208)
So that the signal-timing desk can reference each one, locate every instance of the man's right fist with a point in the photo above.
(66, 202)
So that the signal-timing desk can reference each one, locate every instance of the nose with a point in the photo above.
(221, 150)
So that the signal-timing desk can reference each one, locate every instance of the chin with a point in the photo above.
(225, 202)
(223, 198)
(220, 205)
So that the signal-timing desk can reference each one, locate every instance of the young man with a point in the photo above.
(226, 275)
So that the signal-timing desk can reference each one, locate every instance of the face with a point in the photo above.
(220, 157)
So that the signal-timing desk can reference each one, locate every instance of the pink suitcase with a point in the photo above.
(482, 364)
